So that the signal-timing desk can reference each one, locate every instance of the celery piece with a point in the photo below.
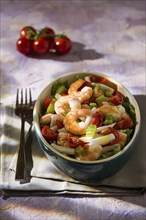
(107, 154)
(60, 89)
(108, 92)
(117, 149)
(101, 99)
(79, 150)
(92, 105)
(108, 120)
(104, 87)
(96, 88)
(57, 84)
(91, 130)
(50, 108)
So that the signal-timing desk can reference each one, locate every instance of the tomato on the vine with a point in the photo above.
(41, 45)
(24, 46)
(28, 32)
(47, 31)
(62, 44)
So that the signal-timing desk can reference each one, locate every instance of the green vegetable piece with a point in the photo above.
(108, 120)
(55, 85)
(79, 150)
(108, 92)
(50, 108)
(129, 109)
(105, 155)
(92, 105)
(91, 130)
(58, 83)
(117, 149)
(61, 89)
(96, 88)
(101, 99)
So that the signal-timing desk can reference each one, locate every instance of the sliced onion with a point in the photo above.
(103, 140)
(64, 150)
(104, 127)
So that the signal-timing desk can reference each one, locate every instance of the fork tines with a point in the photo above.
(20, 97)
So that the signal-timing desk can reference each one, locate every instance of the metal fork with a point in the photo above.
(23, 109)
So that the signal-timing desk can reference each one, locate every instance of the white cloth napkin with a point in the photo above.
(47, 179)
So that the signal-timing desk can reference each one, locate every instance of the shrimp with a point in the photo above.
(115, 111)
(91, 153)
(50, 119)
(71, 124)
(63, 139)
(46, 119)
(82, 95)
(66, 103)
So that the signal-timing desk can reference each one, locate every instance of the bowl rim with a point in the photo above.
(111, 158)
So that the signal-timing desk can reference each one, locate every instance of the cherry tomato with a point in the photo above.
(59, 124)
(24, 46)
(100, 79)
(28, 32)
(47, 31)
(124, 123)
(62, 44)
(115, 133)
(117, 99)
(75, 142)
(47, 101)
(97, 119)
(41, 45)
(49, 134)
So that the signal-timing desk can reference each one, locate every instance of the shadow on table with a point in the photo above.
(77, 53)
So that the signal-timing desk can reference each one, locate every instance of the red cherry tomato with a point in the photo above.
(49, 134)
(41, 45)
(124, 123)
(28, 32)
(47, 101)
(24, 46)
(117, 99)
(97, 119)
(115, 133)
(59, 124)
(75, 142)
(62, 44)
(47, 31)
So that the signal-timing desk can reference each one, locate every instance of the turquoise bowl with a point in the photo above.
(86, 171)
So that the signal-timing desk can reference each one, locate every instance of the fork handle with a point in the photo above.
(21, 161)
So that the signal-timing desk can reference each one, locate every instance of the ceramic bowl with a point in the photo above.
(86, 171)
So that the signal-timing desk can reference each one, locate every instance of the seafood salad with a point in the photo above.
(88, 119)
